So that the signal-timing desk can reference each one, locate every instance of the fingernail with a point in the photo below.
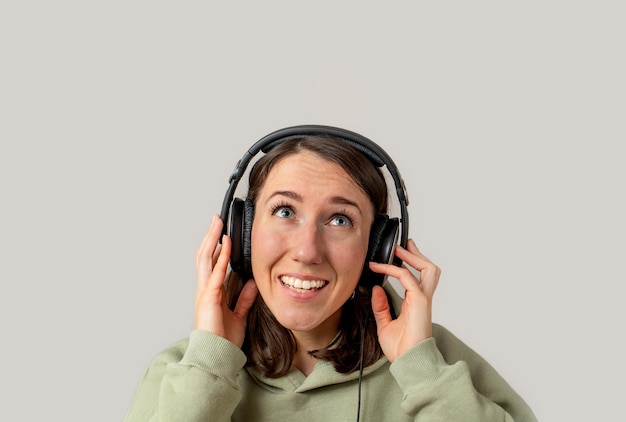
(214, 218)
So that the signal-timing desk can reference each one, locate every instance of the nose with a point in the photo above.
(307, 244)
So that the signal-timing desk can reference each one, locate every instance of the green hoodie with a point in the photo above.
(202, 378)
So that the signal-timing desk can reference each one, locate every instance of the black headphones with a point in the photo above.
(383, 234)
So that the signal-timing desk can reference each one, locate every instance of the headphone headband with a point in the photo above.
(364, 145)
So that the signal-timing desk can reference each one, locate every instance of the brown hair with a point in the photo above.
(269, 346)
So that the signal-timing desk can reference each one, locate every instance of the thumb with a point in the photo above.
(380, 307)
(246, 299)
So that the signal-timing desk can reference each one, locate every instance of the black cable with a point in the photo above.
(358, 409)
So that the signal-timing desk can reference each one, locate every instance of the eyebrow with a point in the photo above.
(297, 197)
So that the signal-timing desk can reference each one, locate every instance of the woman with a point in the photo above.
(304, 336)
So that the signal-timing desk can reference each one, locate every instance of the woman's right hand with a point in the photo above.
(211, 310)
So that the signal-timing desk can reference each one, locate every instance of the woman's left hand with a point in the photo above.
(414, 324)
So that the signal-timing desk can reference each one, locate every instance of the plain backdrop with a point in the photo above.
(121, 121)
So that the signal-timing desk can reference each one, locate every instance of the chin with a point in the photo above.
(300, 321)
(299, 324)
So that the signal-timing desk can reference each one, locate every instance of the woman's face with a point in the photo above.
(309, 242)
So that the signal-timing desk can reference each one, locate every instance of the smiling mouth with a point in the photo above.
(302, 286)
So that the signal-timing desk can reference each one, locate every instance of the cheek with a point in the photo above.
(350, 257)
(264, 246)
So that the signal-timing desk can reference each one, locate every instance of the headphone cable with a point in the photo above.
(358, 409)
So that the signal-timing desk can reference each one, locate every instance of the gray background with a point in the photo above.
(120, 123)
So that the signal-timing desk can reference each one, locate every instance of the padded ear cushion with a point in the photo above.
(248, 217)
(388, 241)
(383, 239)
(376, 232)
(241, 216)
(236, 235)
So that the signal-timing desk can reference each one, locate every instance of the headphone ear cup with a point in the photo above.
(383, 239)
(241, 216)
(246, 240)
(388, 241)
(236, 235)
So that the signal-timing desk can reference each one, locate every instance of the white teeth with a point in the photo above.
(302, 285)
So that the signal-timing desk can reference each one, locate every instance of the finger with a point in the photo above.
(380, 307)
(429, 272)
(246, 299)
(218, 273)
(210, 239)
(216, 254)
(408, 280)
(205, 254)
(412, 256)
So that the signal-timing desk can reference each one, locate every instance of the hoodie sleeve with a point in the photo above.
(439, 385)
(191, 381)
